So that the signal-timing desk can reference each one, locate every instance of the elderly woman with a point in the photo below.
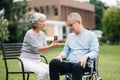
(35, 42)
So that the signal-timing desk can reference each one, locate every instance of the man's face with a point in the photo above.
(73, 25)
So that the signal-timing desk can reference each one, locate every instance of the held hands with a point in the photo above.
(83, 61)
(55, 43)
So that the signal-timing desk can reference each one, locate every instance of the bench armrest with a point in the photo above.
(11, 58)
(46, 61)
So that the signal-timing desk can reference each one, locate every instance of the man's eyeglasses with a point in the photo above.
(70, 25)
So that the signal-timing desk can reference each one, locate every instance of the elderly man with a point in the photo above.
(80, 45)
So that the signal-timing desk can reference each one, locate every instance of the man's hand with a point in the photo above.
(59, 58)
(83, 60)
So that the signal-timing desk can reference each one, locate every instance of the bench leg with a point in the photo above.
(28, 76)
(23, 76)
(6, 76)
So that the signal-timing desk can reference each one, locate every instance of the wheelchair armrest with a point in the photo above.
(89, 59)
(91, 62)
(65, 59)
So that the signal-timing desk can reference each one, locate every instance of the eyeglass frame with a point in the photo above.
(70, 25)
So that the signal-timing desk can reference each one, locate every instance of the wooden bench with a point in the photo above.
(11, 51)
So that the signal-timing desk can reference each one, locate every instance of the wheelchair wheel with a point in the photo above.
(100, 78)
(89, 78)
(67, 78)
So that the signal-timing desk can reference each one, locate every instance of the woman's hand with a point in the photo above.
(55, 43)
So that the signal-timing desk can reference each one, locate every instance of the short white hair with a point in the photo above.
(76, 16)
(36, 17)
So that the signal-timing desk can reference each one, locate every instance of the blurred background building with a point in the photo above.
(57, 11)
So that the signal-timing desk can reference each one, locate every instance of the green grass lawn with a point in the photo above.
(109, 63)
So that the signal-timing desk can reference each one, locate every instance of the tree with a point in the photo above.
(99, 9)
(13, 10)
(111, 25)
(4, 33)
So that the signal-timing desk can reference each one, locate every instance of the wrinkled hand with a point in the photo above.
(83, 61)
(58, 58)
(55, 43)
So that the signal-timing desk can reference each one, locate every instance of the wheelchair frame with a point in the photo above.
(92, 75)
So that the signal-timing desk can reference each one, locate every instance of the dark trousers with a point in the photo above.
(56, 68)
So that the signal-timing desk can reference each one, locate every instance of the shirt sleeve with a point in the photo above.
(94, 44)
(33, 41)
(66, 49)
(45, 41)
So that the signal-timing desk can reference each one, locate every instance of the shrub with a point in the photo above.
(4, 33)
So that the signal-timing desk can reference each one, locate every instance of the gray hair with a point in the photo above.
(36, 17)
(76, 16)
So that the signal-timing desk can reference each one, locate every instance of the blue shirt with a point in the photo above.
(77, 45)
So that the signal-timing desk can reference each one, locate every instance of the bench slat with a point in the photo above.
(11, 49)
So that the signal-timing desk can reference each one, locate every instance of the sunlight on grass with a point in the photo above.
(108, 63)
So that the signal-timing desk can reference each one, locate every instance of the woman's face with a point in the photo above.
(41, 23)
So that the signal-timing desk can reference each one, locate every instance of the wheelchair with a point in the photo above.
(90, 75)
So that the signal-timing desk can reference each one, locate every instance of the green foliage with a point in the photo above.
(13, 10)
(99, 9)
(17, 31)
(111, 25)
(4, 33)
(44, 31)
